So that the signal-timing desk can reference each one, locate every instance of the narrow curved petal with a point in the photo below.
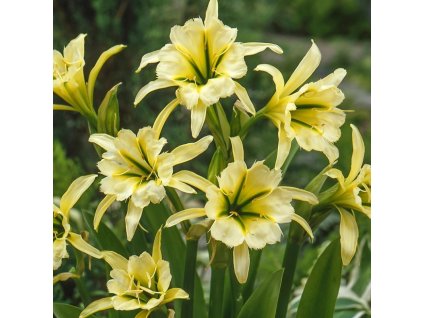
(252, 48)
(193, 179)
(99, 65)
(198, 116)
(65, 107)
(115, 260)
(143, 314)
(80, 244)
(304, 70)
(152, 86)
(181, 186)
(348, 230)
(97, 305)
(241, 257)
(104, 141)
(157, 253)
(64, 276)
(101, 209)
(212, 12)
(189, 151)
(125, 303)
(357, 155)
(132, 219)
(185, 215)
(300, 194)
(74, 192)
(336, 174)
(284, 146)
(175, 293)
(163, 116)
(152, 57)
(276, 76)
(237, 148)
(245, 100)
(295, 217)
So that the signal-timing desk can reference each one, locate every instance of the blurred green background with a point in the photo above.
(341, 29)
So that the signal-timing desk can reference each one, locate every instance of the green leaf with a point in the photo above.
(108, 113)
(105, 237)
(66, 311)
(264, 299)
(320, 292)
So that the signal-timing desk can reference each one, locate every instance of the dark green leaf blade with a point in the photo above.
(322, 287)
(65, 311)
(264, 299)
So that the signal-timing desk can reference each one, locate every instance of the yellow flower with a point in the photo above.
(142, 282)
(202, 61)
(309, 115)
(246, 208)
(61, 227)
(352, 193)
(135, 167)
(69, 81)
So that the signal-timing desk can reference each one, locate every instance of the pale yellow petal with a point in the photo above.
(232, 177)
(241, 257)
(152, 57)
(237, 148)
(304, 70)
(175, 293)
(115, 260)
(295, 217)
(300, 194)
(105, 141)
(245, 100)
(64, 276)
(97, 305)
(216, 202)
(215, 89)
(163, 116)
(125, 303)
(284, 146)
(187, 214)
(157, 253)
(59, 252)
(260, 231)
(74, 192)
(143, 314)
(152, 86)
(336, 174)
(348, 230)
(142, 268)
(119, 283)
(277, 77)
(228, 231)
(101, 209)
(189, 151)
(188, 95)
(198, 116)
(232, 63)
(357, 154)
(212, 12)
(152, 303)
(252, 48)
(192, 179)
(165, 277)
(132, 219)
(80, 244)
(181, 186)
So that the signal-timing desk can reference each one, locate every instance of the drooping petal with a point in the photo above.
(59, 252)
(192, 179)
(284, 146)
(187, 214)
(348, 230)
(143, 314)
(152, 57)
(336, 174)
(241, 257)
(132, 219)
(181, 186)
(152, 303)
(74, 192)
(157, 253)
(357, 154)
(228, 230)
(152, 86)
(125, 303)
(97, 305)
(304, 70)
(300, 194)
(237, 148)
(80, 244)
(101, 209)
(64, 276)
(104, 141)
(115, 260)
(189, 151)
(252, 48)
(295, 217)
(245, 100)
(198, 116)
(277, 79)
(163, 116)
(175, 293)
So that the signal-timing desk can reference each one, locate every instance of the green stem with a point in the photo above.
(189, 278)
(236, 292)
(216, 291)
(177, 204)
(254, 264)
(213, 125)
(289, 264)
(243, 132)
(291, 155)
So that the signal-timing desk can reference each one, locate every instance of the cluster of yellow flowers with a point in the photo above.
(246, 205)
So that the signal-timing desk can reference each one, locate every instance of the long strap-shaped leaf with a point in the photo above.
(320, 292)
